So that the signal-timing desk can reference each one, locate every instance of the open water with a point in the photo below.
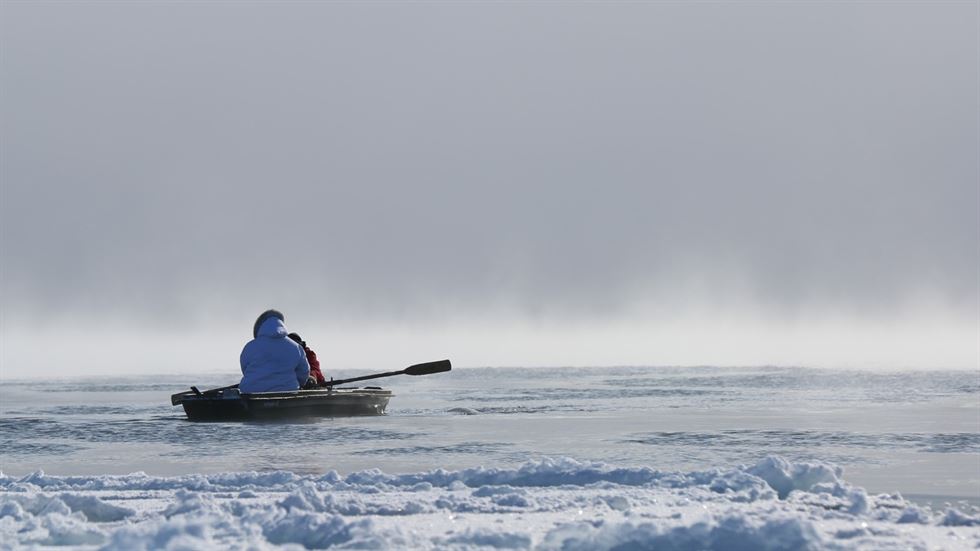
(917, 433)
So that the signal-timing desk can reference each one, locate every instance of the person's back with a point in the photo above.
(272, 362)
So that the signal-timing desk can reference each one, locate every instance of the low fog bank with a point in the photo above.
(498, 183)
(932, 339)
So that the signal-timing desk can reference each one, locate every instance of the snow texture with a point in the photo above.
(549, 504)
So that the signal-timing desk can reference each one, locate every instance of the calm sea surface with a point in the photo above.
(913, 432)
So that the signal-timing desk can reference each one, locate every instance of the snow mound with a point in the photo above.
(730, 533)
(548, 504)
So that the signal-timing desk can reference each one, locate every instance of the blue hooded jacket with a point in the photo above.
(272, 362)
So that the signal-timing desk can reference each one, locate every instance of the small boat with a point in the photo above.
(229, 404)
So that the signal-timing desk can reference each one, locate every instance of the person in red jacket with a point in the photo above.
(316, 376)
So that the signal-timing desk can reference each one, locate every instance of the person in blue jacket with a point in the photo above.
(272, 362)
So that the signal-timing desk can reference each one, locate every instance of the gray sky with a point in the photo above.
(502, 183)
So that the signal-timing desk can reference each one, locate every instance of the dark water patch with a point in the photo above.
(952, 443)
(20, 427)
(510, 410)
(910, 386)
(470, 448)
(35, 437)
(585, 394)
(33, 449)
(531, 410)
(804, 439)
(500, 410)
(463, 411)
(716, 382)
(21, 433)
(88, 410)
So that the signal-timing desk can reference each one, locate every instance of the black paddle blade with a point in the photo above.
(429, 368)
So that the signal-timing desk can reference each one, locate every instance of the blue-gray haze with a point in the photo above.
(173, 168)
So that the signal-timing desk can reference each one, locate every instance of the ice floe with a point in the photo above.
(549, 504)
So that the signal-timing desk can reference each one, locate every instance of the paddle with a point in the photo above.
(427, 368)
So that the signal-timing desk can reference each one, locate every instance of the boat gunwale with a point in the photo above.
(291, 395)
(349, 402)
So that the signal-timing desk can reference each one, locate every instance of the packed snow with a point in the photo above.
(547, 504)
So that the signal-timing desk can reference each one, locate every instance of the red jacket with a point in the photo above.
(314, 366)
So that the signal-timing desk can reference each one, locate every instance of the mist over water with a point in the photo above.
(213, 348)
(503, 184)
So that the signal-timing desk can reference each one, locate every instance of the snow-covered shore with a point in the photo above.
(546, 504)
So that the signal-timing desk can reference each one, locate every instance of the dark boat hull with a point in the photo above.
(229, 405)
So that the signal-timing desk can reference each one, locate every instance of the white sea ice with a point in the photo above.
(549, 504)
